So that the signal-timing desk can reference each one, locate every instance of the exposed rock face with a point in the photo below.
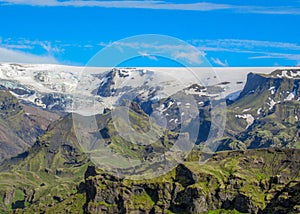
(112, 82)
(106, 87)
(223, 183)
(279, 86)
(56, 101)
(20, 125)
(49, 176)
(266, 114)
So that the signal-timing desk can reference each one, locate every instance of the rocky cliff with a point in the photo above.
(56, 176)
(255, 181)
(266, 114)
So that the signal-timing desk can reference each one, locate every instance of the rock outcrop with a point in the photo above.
(255, 181)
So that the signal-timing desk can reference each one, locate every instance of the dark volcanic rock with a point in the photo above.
(194, 188)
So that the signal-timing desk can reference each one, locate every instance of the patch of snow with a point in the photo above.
(245, 110)
(155, 99)
(259, 111)
(273, 90)
(272, 103)
(104, 81)
(289, 74)
(290, 97)
(248, 117)
(170, 104)
(161, 108)
(38, 102)
(142, 71)
(295, 74)
(193, 91)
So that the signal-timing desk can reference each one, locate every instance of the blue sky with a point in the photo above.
(228, 33)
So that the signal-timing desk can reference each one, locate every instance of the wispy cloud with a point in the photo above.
(16, 46)
(159, 5)
(218, 62)
(254, 48)
(162, 5)
(8, 55)
(193, 57)
(276, 10)
(271, 55)
(236, 44)
(25, 44)
(47, 46)
(20, 51)
(144, 54)
(180, 52)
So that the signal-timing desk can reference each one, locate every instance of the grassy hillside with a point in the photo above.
(20, 125)
(230, 182)
(46, 174)
(56, 175)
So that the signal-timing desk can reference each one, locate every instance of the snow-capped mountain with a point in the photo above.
(89, 90)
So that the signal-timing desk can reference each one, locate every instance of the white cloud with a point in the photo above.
(144, 54)
(17, 46)
(158, 5)
(25, 44)
(279, 10)
(8, 55)
(233, 44)
(271, 55)
(193, 57)
(258, 49)
(18, 51)
(47, 46)
(179, 51)
(176, 50)
(217, 61)
(162, 5)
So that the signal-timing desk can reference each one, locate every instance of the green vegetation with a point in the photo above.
(56, 176)
(245, 181)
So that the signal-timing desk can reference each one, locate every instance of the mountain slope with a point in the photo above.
(20, 125)
(51, 170)
(248, 182)
(56, 176)
(267, 113)
(45, 174)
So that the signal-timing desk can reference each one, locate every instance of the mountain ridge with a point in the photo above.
(56, 175)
